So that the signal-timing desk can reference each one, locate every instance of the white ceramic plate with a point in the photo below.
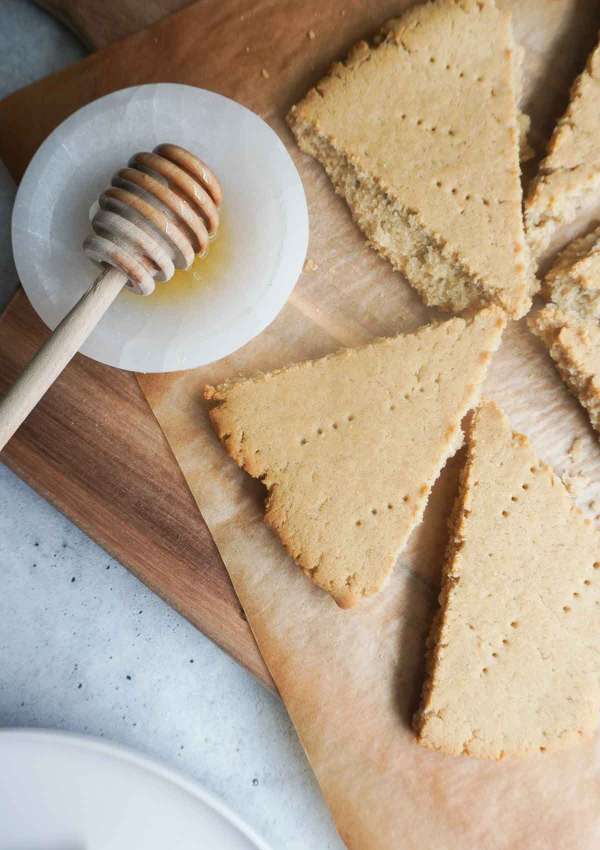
(67, 792)
(251, 268)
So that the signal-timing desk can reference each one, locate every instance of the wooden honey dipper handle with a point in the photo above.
(68, 337)
(156, 216)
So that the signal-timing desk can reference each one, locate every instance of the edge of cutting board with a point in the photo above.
(86, 449)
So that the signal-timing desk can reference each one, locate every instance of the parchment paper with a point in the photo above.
(351, 679)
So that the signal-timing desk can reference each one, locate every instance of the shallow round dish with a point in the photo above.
(251, 268)
(67, 792)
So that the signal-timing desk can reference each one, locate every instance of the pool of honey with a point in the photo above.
(204, 271)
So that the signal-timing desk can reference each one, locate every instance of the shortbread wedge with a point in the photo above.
(569, 325)
(514, 663)
(420, 135)
(349, 446)
(569, 179)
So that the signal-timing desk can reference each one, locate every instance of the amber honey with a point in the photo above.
(204, 271)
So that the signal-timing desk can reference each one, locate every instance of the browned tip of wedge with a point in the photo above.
(349, 446)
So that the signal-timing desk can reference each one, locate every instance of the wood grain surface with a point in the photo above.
(149, 522)
(186, 569)
(100, 22)
(87, 448)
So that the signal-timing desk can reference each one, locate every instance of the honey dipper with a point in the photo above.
(156, 215)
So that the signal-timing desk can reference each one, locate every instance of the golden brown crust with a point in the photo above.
(569, 326)
(569, 176)
(349, 446)
(389, 112)
(514, 665)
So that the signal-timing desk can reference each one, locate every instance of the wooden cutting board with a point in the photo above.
(92, 447)
(87, 448)
(100, 22)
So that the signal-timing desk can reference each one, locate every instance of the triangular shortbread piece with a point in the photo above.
(569, 178)
(349, 446)
(514, 661)
(570, 325)
(420, 135)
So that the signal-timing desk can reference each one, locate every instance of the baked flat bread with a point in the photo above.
(420, 135)
(349, 446)
(569, 179)
(514, 661)
(569, 325)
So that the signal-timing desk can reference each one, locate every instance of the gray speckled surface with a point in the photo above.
(85, 647)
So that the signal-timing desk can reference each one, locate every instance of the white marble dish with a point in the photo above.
(74, 793)
(258, 253)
